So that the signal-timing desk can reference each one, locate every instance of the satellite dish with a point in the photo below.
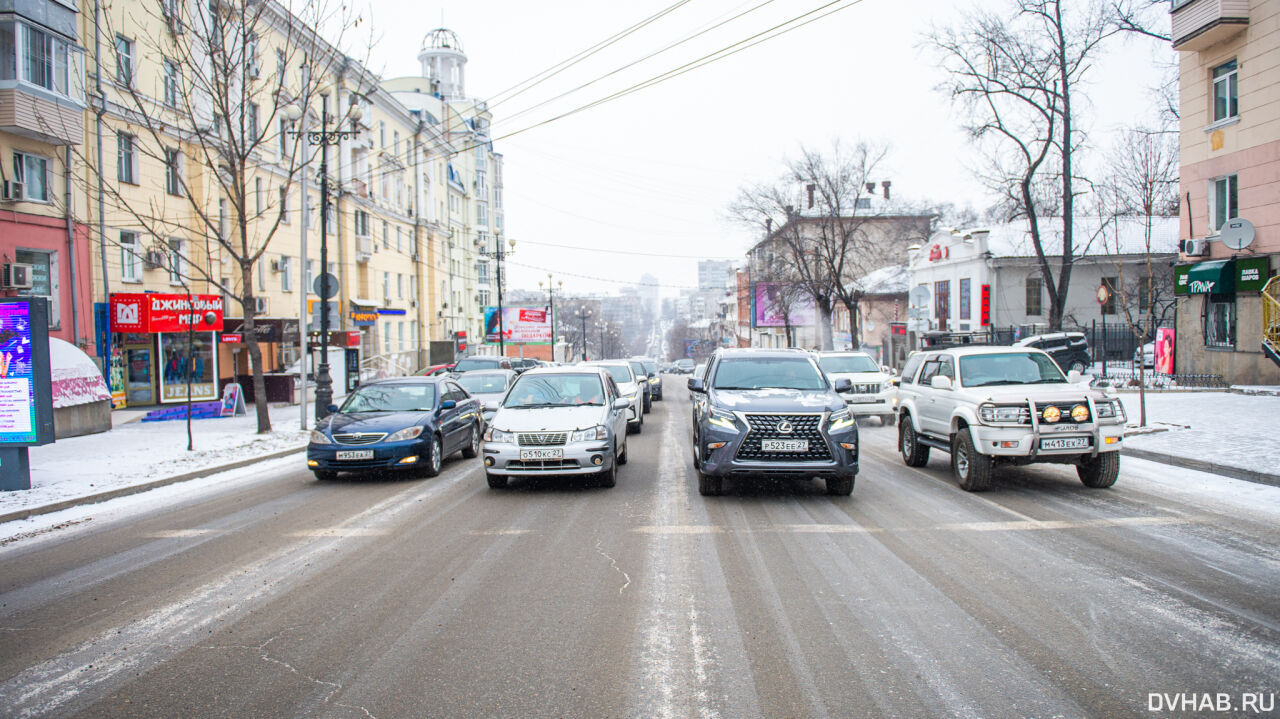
(1237, 234)
(919, 295)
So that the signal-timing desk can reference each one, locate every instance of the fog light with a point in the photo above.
(312, 463)
(1080, 413)
(849, 446)
(409, 460)
(714, 445)
(597, 460)
(488, 461)
(1111, 440)
(1051, 414)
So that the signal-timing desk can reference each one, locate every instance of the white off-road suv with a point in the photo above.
(987, 405)
(872, 393)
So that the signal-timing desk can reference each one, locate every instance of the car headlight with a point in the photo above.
(406, 433)
(840, 420)
(318, 437)
(498, 436)
(1109, 409)
(886, 385)
(588, 435)
(995, 414)
(720, 418)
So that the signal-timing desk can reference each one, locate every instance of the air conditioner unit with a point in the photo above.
(275, 266)
(153, 259)
(414, 257)
(16, 276)
(1195, 248)
(14, 190)
(413, 303)
(259, 305)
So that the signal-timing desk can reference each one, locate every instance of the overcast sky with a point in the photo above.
(652, 173)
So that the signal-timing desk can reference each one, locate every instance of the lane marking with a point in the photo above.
(498, 532)
(340, 532)
(181, 533)
(1010, 526)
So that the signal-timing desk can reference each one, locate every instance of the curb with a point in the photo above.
(1247, 475)
(135, 489)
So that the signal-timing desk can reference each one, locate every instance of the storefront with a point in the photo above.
(167, 345)
(1220, 319)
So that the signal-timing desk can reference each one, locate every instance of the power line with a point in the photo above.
(630, 252)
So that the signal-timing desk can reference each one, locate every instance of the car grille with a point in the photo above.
(541, 439)
(1065, 409)
(359, 437)
(765, 426)
(864, 389)
(549, 465)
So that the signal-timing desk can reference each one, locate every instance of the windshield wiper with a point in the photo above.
(742, 388)
(994, 382)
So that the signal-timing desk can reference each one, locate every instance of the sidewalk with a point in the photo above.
(135, 455)
(1229, 433)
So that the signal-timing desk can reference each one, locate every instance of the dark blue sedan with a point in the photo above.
(406, 423)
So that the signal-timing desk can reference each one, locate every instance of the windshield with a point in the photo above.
(556, 390)
(470, 364)
(848, 363)
(1009, 368)
(650, 367)
(768, 372)
(637, 368)
(476, 383)
(688, 363)
(391, 398)
(619, 373)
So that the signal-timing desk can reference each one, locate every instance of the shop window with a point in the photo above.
(44, 279)
(942, 302)
(186, 360)
(1035, 293)
(130, 260)
(1219, 322)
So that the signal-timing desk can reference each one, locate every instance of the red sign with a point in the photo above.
(154, 312)
(353, 338)
(938, 252)
(986, 305)
(528, 315)
(232, 338)
(898, 329)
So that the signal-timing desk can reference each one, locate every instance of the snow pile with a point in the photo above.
(1224, 428)
(76, 379)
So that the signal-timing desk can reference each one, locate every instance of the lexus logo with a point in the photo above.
(784, 427)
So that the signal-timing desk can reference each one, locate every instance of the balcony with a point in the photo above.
(1199, 24)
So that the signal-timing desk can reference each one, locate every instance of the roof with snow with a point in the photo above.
(1093, 236)
(76, 379)
(889, 280)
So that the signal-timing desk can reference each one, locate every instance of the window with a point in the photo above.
(251, 56)
(386, 285)
(130, 266)
(1223, 203)
(399, 240)
(942, 302)
(172, 82)
(1113, 288)
(309, 277)
(286, 274)
(44, 278)
(413, 287)
(930, 369)
(177, 265)
(399, 286)
(34, 56)
(386, 236)
(401, 333)
(283, 137)
(482, 214)
(251, 121)
(33, 172)
(284, 204)
(1225, 104)
(124, 61)
(395, 143)
(172, 168)
(223, 219)
(1034, 289)
(1219, 322)
(126, 159)
(484, 297)
(362, 223)
(282, 64)
(382, 135)
(964, 298)
(262, 274)
(909, 369)
(386, 338)
(257, 195)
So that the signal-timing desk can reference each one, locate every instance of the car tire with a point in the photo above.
(887, 420)
(496, 481)
(840, 486)
(472, 450)
(623, 458)
(608, 477)
(325, 475)
(1076, 366)
(1099, 472)
(914, 454)
(709, 486)
(648, 404)
(435, 460)
(973, 471)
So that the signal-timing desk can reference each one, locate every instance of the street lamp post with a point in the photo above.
(325, 137)
(551, 305)
(583, 315)
(502, 346)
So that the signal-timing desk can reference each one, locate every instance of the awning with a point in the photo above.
(363, 302)
(1216, 277)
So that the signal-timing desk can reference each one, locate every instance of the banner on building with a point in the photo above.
(155, 312)
(776, 305)
(520, 325)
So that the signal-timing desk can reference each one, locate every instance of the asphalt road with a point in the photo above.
(442, 598)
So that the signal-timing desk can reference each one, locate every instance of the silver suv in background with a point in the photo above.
(872, 393)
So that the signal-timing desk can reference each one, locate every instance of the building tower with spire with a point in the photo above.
(444, 64)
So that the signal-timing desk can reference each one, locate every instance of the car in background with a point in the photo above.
(684, 366)
(558, 421)
(630, 386)
(638, 368)
(1069, 349)
(770, 413)
(404, 423)
(1146, 355)
(471, 364)
(653, 377)
(435, 370)
(524, 363)
(872, 393)
(487, 385)
(697, 371)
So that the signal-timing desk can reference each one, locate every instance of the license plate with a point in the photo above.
(860, 398)
(354, 454)
(784, 445)
(542, 454)
(1065, 443)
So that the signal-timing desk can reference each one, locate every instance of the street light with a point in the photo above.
(325, 137)
(583, 314)
(502, 347)
(551, 302)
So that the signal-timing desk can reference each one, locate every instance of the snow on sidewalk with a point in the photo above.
(1233, 430)
(141, 452)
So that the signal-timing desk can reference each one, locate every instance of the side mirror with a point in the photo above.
(491, 406)
(448, 404)
(940, 382)
(621, 403)
(843, 385)
(696, 385)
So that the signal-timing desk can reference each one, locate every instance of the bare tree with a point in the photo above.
(1016, 75)
(233, 76)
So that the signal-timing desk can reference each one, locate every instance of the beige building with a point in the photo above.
(1230, 171)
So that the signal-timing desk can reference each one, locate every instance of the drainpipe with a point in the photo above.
(101, 109)
(71, 252)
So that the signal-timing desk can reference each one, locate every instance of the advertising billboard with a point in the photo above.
(520, 325)
(26, 388)
(155, 312)
(1165, 338)
(770, 307)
